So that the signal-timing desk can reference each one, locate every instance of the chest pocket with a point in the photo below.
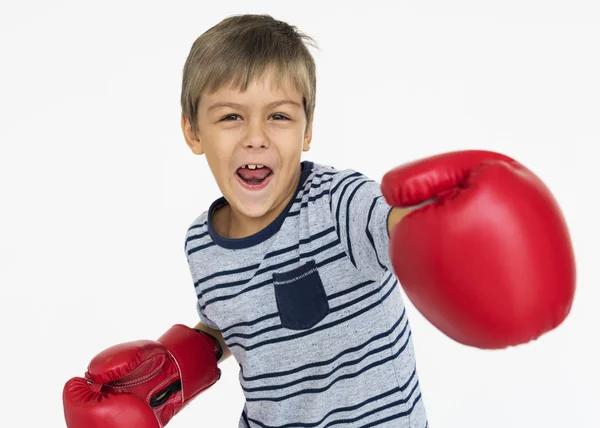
(300, 296)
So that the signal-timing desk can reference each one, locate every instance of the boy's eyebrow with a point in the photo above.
(270, 105)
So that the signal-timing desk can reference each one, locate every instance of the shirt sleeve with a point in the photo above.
(203, 317)
(360, 214)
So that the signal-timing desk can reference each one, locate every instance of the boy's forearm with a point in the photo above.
(396, 214)
(217, 335)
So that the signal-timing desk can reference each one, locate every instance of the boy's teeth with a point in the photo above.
(253, 166)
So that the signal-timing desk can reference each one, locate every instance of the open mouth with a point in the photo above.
(254, 176)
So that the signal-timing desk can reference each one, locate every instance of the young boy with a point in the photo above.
(291, 265)
(294, 266)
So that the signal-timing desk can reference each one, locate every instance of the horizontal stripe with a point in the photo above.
(348, 363)
(384, 407)
(374, 364)
(329, 299)
(312, 331)
(326, 362)
(332, 259)
(268, 268)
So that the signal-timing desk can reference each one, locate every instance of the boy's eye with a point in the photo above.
(226, 118)
(276, 116)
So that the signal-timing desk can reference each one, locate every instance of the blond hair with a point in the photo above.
(241, 48)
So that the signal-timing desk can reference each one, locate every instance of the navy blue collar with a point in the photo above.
(268, 231)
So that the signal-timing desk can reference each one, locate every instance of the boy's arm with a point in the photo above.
(217, 335)
(363, 221)
(395, 216)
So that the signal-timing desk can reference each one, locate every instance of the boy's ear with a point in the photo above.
(307, 137)
(192, 140)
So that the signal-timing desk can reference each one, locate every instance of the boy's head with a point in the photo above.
(248, 97)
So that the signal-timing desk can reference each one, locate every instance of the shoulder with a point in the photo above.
(326, 187)
(331, 179)
(325, 177)
(196, 233)
(200, 223)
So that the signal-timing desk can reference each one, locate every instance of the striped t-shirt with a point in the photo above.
(311, 310)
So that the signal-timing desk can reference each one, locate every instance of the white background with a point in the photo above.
(98, 187)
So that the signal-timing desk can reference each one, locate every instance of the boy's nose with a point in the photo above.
(256, 138)
(256, 143)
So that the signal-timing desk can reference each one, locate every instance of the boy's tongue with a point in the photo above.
(254, 175)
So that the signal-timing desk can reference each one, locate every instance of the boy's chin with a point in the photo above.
(254, 210)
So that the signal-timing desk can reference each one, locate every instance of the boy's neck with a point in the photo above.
(231, 225)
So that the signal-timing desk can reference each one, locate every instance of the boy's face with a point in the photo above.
(264, 125)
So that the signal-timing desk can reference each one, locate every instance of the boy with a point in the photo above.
(304, 298)
(294, 269)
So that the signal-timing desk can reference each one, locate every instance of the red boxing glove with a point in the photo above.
(143, 384)
(489, 262)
